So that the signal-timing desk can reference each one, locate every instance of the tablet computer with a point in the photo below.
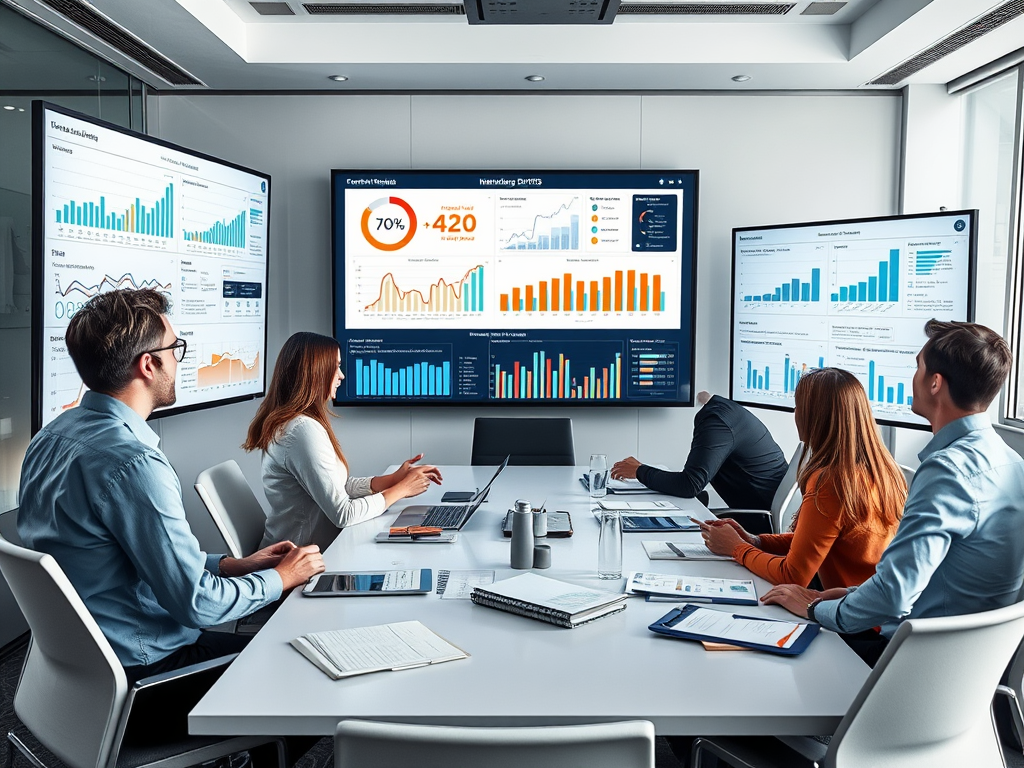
(418, 581)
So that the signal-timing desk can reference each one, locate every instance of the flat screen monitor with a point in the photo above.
(117, 209)
(512, 288)
(851, 294)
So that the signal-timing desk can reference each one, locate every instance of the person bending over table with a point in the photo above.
(731, 449)
(305, 473)
(99, 495)
(959, 548)
(853, 494)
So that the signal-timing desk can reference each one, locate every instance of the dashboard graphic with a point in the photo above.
(121, 210)
(847, 294)
(556, 287)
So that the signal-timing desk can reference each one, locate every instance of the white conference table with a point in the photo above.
(523, 672)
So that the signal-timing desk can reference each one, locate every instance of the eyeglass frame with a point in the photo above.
(181, 344)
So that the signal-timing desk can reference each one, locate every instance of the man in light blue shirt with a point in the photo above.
(100, 497)
(959, 548)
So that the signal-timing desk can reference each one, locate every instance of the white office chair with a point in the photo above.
(927, 703)
(73, 694)
(785, 503)
(359, 743)
(908, 473)
(233, 506)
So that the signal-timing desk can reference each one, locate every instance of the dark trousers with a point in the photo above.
(869, 645)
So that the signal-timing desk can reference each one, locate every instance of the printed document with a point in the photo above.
(721, 625)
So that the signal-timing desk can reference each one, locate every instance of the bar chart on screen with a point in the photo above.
(773, 368)
(226, 364)
(887, 376)
(399, 370)
(557, 370)
(533, 221)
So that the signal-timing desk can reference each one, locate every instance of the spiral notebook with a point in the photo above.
(550, 600)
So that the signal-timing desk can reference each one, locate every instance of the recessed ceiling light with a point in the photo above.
(9, 108)
(741, 78)
(21, 109)
(338, 78)
(97, 78)
(535, 78)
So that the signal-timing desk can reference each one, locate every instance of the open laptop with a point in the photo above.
(447, 516)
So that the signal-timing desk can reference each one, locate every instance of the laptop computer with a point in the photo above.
(448, 516)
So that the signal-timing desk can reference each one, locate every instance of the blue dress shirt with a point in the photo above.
(100, 497)
(959, 548)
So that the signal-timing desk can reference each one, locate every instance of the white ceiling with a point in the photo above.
(228, 46)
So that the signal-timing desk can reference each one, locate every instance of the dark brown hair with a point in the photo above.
(107, 335)
(843, 445)
(300, 385)
(973, 360)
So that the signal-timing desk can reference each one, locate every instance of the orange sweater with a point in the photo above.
(841, 558)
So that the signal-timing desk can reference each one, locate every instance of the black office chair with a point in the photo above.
(530, 442)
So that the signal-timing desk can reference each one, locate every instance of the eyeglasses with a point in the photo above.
(178, 347)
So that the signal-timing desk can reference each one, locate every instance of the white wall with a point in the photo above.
(763, 158)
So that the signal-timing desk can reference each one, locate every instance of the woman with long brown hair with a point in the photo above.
(305, 473)
(853, 494)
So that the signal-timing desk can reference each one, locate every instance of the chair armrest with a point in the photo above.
(755, 521)
(1015, 710)
(191, 669)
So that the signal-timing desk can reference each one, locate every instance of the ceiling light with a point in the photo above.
(21, 109)
(97, 78)
(9, 108)
(338, 78)
(741, 78)
(535, 78)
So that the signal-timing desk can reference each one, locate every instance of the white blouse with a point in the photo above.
(310, 493)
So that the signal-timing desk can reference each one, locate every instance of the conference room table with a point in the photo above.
(523, 672)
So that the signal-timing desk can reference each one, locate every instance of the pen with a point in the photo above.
(701, 523)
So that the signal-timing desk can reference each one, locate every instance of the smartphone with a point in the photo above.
(416, 581)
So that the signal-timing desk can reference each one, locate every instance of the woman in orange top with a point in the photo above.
(853, 494)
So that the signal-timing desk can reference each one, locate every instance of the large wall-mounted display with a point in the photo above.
(118, 209)
(515, 287)
(847, 294)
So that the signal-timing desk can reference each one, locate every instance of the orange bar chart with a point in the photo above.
(625, 291)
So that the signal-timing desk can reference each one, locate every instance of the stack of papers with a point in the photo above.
(675, 550)
(649, 505)
(787, 638)
(402, 645)
(695, 589)
(555, 602)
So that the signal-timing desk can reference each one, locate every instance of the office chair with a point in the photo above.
(530, 442)
(784, 504)
(359, 743)
(233, 506)
(73, 694)
(928, 702)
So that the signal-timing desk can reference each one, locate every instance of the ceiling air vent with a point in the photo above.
(954, 42)
(391, 9)
(88, 18)
(707, 9)
(272, 9)
(822, 9)
(541, 11)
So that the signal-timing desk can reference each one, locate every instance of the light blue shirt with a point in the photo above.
(100, 497)
(959, 548)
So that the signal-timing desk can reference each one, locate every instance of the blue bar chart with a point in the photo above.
(928, 262)
(150, 218)
(889, 391)
(884, 286)
(227, 233)
(399, 371)
(544, 230)
(792, 290)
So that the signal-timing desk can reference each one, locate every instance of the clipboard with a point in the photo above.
(663, 626)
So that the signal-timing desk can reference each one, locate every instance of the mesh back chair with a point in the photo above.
(233, 506)
(530, 442)
(784, 504)
(73, 694)
(360, 743)
(927, 703)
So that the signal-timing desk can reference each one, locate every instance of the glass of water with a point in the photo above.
(598, 478)
(609, 546)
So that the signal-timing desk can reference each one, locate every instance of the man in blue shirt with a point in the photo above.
(959, 548)
(100, 497)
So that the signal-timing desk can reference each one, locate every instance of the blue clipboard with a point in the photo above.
(663, 626)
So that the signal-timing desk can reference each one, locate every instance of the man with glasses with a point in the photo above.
(100, 497)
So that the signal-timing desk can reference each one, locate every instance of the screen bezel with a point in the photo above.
(336, 236)
(972, 258)
(39, 108)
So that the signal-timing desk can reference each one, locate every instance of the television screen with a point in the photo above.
(846, 294)
(515, 287)
(117, 209)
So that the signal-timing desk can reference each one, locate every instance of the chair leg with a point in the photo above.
(12, 742)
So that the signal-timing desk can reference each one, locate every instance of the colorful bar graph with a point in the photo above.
(793, 374)
(461, 296)
(419, 379)
(883, 287)
(156, 220)
(227, 233)
(792, 290)
(543, 377)
(604, 293)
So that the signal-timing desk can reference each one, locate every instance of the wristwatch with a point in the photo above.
(810, 608)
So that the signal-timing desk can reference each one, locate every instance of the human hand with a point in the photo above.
(300, 565)
(721, 538)
(740, 530)
(625, 469)
(703, 396)
(407, 465)
(268, 557)
(792, 597)
(416, 481)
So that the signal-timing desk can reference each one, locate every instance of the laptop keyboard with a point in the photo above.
(445, 517)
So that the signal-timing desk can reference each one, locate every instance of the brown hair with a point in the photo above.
(109, 333)
(973, 360)
(300, 385)
(843, 445)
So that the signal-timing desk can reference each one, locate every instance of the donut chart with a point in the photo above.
(389, 224)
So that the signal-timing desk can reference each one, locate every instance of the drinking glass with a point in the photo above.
(609, 546)
(598, 477)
